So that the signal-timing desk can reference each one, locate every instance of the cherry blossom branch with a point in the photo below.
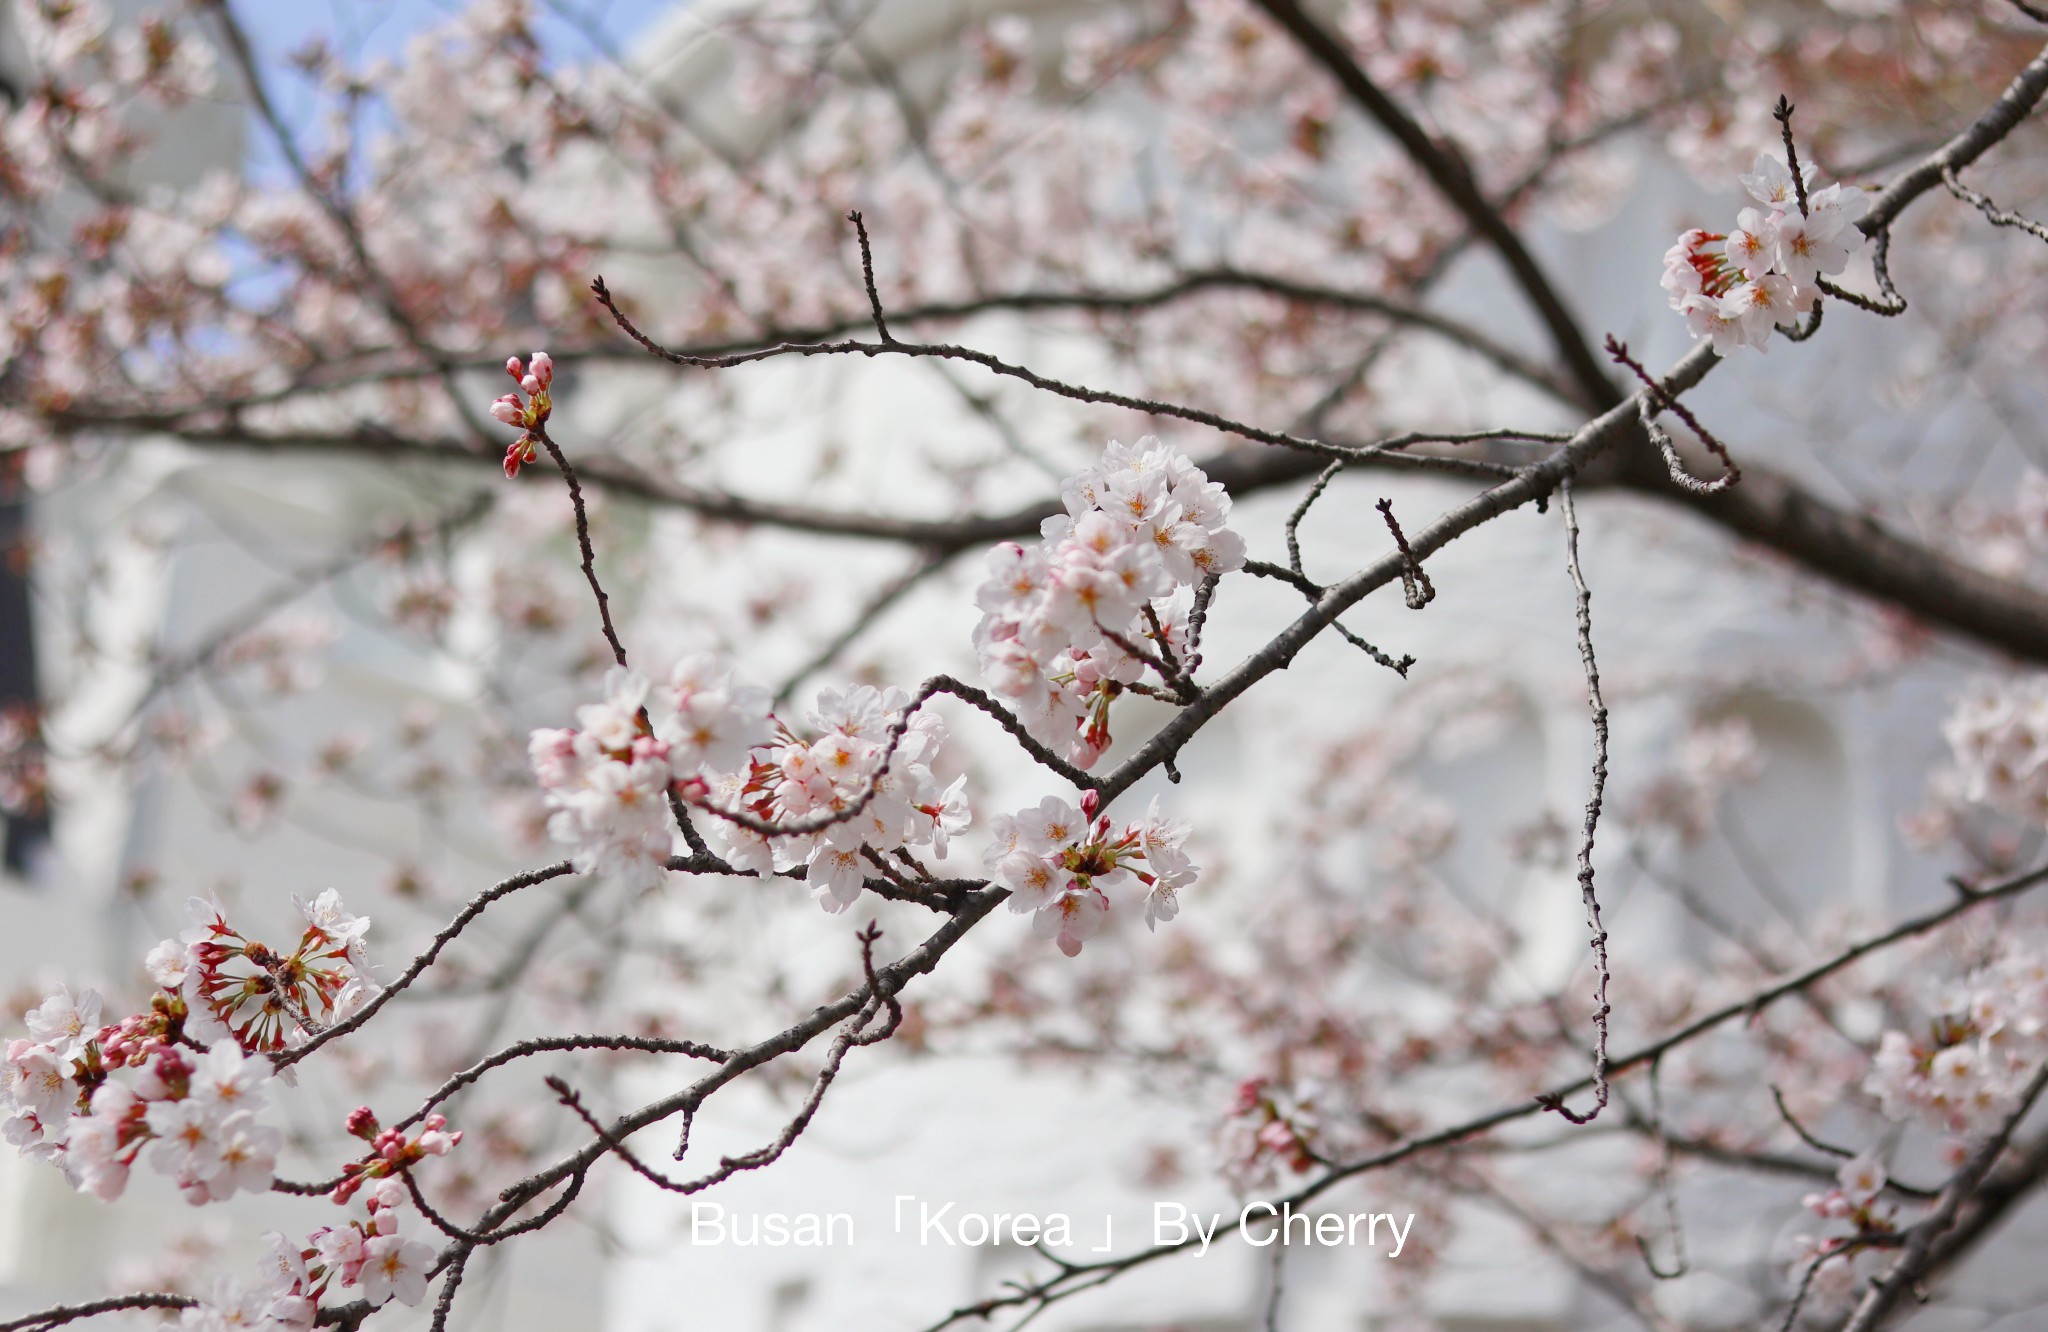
(420, 963)
(1534, 482)
(1315, 492)
(1771, 509)
(336, 207)
(1920, 1238)
(2014, 104)
(1313, 590)
(936, 685)
(891, 978)
(1799, 1130)
(1071, 1278)
(537, 1045)
(451, 1281)
(347, 373)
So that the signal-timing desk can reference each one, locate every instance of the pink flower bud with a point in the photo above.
(543, 368)
(362, 1122)
(509, 410)
(1090, 802)
(513, 368)
(530, 385)
(518, 455)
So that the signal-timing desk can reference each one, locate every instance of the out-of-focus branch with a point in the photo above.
(1072, 1278)
(1920, 1253)
(44, 1319)
(1447, 170)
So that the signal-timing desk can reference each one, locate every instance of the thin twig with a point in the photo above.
(1416, 589)
(583, 546)
(1666, 1188)
(867, 274)
(1075, 392)
(1998, 217)
(1315, 492)
(1658, 400)
(1782, 113)
(1785, 1113)
(1594, 800)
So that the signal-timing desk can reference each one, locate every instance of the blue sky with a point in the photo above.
(365, 29)
(362, 28)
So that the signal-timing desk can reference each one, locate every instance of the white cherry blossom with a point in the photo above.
(65, 1023)
(395, 1268)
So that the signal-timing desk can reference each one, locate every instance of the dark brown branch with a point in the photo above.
(68, 1313)
(1848, 548)
(892, 978)
(1446, 170)
(1416, 589)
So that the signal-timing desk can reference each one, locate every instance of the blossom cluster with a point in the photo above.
(2000, 740)
(194, 1113)
(1737, 287)
(608, 779)
(1824, 1266)
(183, 1079)
(1064, 621)
(1271, 1132)
(865, 773)
(1067, 866)
(529, 413)
(1984, 1038)
(367, 1256)
(391, 1149)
